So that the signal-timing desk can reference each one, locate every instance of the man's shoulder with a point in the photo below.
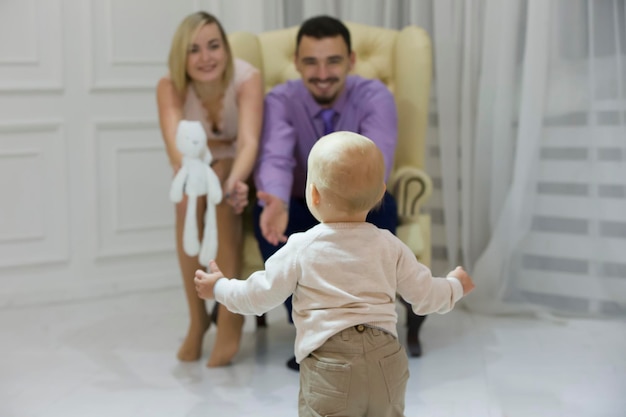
(361, 87)
(288, 88)
(362, 83)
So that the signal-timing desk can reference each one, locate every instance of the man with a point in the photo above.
(297, 114)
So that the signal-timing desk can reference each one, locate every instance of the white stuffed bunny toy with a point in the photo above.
(196, 178)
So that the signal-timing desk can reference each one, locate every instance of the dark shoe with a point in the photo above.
(260, 321)
(214, 311)
(292, 364)
(413, 343)
(414, 323)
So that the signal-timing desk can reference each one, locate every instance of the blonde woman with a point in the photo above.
(206, 83)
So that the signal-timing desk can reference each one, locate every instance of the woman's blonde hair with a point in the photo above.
(181, 43)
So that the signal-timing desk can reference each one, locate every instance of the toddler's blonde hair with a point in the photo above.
(349, 170)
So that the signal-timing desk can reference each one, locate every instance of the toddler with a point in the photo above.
(344, 274)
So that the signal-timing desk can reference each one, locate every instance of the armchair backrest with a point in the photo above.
(401, 59)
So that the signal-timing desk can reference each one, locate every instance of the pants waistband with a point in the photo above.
(360, 328)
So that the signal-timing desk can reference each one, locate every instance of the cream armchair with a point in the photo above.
(401, 60)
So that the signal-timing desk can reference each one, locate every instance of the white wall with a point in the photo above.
(84, 179)
(83, 173)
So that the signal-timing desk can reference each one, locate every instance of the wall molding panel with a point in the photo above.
(128, 58)
(34, 224)
(133, 211)
(31, 50)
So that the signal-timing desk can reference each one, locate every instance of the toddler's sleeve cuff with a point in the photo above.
(457, 288)
(218, 288)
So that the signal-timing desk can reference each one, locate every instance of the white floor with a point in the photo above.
(116, 357)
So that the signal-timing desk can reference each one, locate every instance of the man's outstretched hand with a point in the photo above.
(274, 218)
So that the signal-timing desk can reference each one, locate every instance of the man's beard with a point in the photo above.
(321, 100)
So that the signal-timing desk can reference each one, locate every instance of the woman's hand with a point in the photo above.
(175, 166)
(236, 195)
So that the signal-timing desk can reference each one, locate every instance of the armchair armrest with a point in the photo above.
(411, 187)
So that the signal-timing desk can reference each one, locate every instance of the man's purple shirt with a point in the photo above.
(292, 124)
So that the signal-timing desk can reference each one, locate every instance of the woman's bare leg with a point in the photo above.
(199, 319)
(229, 325)
(229, 258)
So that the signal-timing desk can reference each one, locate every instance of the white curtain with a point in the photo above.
(529, 128)
(546, 225)
(532, 97)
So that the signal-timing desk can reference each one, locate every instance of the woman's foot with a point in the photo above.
(227, 339)
(191, 349)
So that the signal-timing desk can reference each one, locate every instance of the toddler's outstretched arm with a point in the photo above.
(205, 282)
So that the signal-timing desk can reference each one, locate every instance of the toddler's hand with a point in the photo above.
(206, 282)
(464, 278)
